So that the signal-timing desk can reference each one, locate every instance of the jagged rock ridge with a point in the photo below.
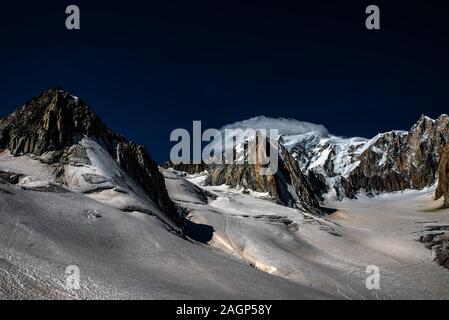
(338, 167)
(406, 161)
(392, 161)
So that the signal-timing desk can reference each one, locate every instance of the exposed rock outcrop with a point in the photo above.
(399, 161)
(317, 183)
(188, 168)
(288, 185)
(436, 238)
(50, 122)
(443, 177)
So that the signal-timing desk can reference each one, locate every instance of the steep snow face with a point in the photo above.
(89, 170)
(104, 180)
(330, 155)
(335, 158)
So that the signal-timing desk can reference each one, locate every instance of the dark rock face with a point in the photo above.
(52, 121)
(399, 161)
(376, 171)
(289, 174)
(443, 177)
(9, 177)
(436, 238)
(51, 126)
(317, 183)
(189, 168)
(138, 164)
(242, 175)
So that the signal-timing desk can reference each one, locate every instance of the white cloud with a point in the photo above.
(285, 126)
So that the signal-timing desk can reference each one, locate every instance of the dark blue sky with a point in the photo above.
(148, 67)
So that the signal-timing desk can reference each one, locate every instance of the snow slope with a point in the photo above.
(331, 253)
(123, 252)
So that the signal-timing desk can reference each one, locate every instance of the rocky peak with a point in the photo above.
(429, 133)
(51, 127)
(407, 160)
(423, 124)
(52, 121)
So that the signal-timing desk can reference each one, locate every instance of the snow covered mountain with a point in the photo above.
(74, 193)
(336, 167)
(287, 185)
(57, 141)
(391, 161)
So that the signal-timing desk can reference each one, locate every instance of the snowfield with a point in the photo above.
(238, 245)
(121, 255)
(330, 253)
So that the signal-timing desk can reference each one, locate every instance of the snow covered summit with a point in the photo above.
(73, 148)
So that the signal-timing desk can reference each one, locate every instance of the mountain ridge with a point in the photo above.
(343, 167)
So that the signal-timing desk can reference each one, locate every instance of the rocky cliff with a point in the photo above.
(288, 185)
(398, 161)
(443, 177)
(391, 161)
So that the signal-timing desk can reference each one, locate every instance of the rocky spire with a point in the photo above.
(52, 121)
